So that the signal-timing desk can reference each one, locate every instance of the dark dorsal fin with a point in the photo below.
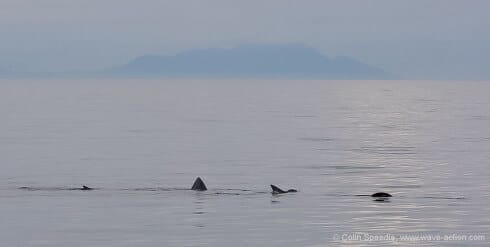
(199, 185)
(86, 188)
(277, 190)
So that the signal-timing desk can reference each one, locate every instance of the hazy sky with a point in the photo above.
(417, 38)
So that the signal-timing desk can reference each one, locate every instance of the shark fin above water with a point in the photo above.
(277, 190)
(199, 185)
(86, 188)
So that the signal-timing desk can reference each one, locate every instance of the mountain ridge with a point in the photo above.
(251, 60)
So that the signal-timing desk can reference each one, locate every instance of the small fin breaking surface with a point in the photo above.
(199, 185)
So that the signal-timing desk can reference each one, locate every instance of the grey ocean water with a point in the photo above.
(143, 142)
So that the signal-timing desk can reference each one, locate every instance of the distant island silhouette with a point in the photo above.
(255, 61)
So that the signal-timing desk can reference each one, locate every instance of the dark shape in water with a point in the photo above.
(277, 190)
(199, 185)
(382, 199)
(380, 194)
(86, 188)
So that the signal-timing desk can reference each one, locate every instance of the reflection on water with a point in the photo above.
(141, 144)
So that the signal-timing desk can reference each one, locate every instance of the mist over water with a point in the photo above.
(141, 144)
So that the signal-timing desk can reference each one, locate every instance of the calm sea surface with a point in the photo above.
(142, 143)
